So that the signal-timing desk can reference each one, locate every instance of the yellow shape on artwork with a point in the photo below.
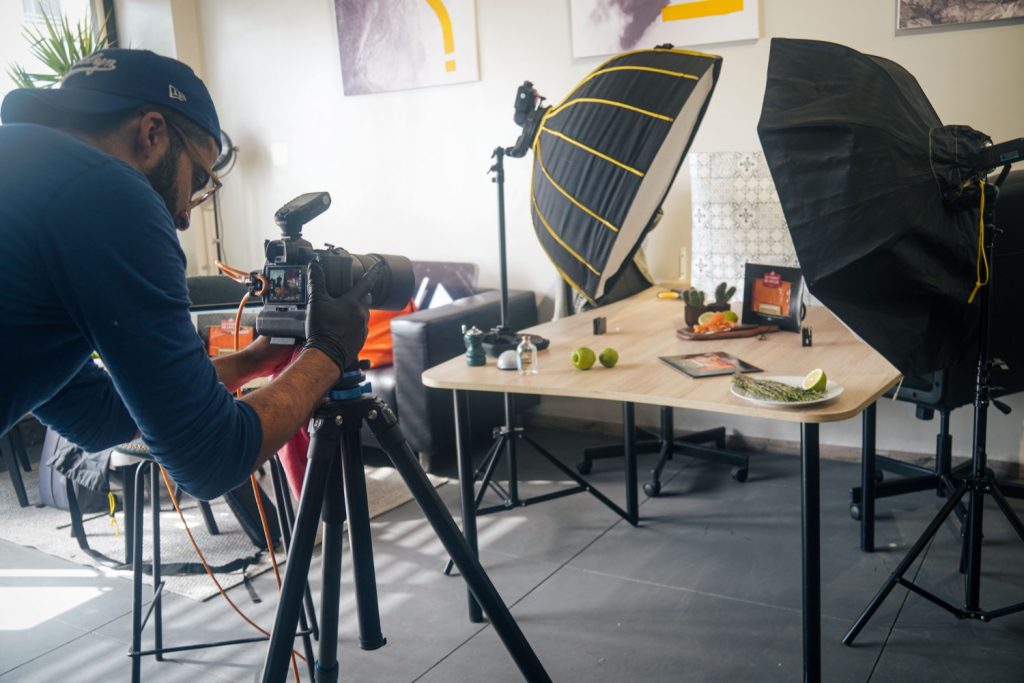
(446, 31)
(701, 8)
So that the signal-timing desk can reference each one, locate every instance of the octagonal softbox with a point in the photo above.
(605, 157)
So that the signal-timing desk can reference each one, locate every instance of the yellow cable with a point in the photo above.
(982, 256)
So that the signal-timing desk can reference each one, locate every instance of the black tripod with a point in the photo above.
(335, 485)
(979, 483)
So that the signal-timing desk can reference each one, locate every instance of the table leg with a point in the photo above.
(867, 480)
(466, 481)
(629, 449)
(810, 503)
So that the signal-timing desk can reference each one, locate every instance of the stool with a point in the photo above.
(134, 516)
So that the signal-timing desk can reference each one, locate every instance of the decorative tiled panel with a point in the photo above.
(737, 218)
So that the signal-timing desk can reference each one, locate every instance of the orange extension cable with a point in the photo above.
(238, 276)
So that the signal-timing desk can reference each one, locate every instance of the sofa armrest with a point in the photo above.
(426, 338)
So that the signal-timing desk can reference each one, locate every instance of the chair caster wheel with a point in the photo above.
(740, 474)
(855, 512)
(584, 466)
(652, 488)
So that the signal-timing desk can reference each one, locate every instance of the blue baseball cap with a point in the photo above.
(113, 80)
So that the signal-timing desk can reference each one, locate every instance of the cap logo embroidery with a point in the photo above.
(91, 65)
(176, 94)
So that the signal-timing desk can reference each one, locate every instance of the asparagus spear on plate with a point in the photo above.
(771, 390)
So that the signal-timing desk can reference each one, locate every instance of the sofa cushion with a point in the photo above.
(378, 346)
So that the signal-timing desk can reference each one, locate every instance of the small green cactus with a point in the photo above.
(723, 292)
(693, 297)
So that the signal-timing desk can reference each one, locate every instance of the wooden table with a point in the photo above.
(642, 328)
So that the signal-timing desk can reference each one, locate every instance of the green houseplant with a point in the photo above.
(57, 46)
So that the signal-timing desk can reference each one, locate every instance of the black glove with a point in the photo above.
(338, 325)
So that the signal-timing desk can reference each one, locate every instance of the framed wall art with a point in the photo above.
(403, 44)
(923, 14)
(605, 27)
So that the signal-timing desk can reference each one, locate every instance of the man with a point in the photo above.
(94, 178)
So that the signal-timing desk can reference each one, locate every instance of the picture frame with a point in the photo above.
(917, 15)
(773, 295)
(708, 364)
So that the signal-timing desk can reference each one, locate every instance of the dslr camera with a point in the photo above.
(282, 284)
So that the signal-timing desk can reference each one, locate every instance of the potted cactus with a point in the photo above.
(694, 300)
(723, 294)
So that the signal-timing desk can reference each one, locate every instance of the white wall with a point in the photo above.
(407, 170)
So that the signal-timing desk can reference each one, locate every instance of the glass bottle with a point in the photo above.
(526, 357)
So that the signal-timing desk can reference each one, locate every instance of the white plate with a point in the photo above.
(832, 390)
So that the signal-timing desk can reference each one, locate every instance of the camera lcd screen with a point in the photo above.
(286, 285)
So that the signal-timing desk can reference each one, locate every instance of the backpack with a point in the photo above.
(62, 460)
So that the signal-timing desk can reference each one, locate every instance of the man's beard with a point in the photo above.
(164, 179)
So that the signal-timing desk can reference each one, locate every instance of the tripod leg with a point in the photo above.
(904, 565)
(323, 448)
(284, 523)
(360, 543)
(333, 516)
(385, 427)
(289, 516)
(1008, 512)
(510, 450)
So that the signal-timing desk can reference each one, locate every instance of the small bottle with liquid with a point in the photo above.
(526, 357)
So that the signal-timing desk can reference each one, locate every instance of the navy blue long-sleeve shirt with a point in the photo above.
(91, 262)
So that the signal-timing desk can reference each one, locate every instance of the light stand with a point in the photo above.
(979, 483)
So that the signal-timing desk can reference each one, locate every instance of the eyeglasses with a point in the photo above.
(204, 181)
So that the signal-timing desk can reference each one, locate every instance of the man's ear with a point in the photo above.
(151, 138)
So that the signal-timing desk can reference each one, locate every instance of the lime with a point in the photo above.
(705, 317)
(731, 316)
(583, 358)
(815, 380)
(609, 357)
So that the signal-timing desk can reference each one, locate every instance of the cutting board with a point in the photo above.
(735, 333)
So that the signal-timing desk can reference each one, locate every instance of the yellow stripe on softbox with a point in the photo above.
(565, 193)
(648, 69)
(611, 103)
(593, 151)
(559, 239)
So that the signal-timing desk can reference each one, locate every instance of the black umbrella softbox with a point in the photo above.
(866, 173)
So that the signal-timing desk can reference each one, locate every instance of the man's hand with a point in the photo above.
(259, 359)
(337, 326)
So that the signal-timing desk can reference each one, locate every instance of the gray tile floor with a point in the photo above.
(706, 589)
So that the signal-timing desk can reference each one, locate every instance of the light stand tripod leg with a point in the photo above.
(385, 427)
(510, 450)
(322, 452)
(1008, 512)
(897, 574)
